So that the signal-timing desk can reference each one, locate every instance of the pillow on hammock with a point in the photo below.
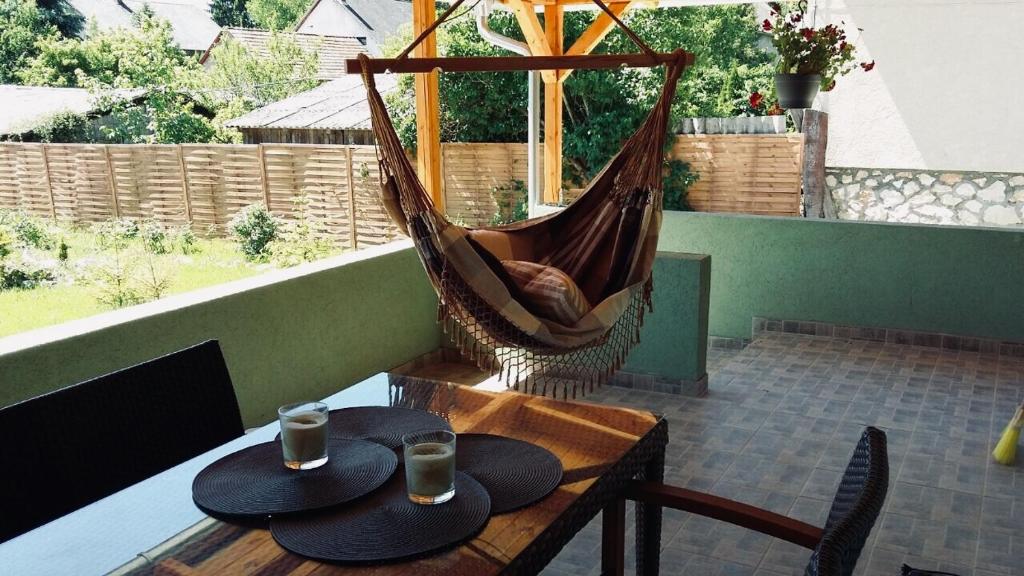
(548, 291)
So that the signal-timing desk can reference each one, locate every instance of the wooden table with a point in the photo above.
(601, 448)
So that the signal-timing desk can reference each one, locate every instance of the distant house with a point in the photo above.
(375, 20)
(23, 109)
(332, 50)
(194, 28)
(336, 112)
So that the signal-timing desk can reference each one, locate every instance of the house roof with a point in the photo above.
(380, 18)
(336, 105)
(332, 50)
(193, 27)
(23, 107)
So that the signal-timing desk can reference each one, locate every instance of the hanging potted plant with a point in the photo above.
(810, 59)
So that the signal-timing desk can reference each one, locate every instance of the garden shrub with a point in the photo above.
(6, 242)
(31, 232)
(512, 200)
(154, 237)
(112, 279)
(255, 228)
(186, 240)
(303, 240)
(116, 232)
(675, 184)
(24, 273)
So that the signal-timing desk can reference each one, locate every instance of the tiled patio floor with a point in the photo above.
(777, 429)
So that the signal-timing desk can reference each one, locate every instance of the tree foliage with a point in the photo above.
(258, 79)
(62, 16)
(230, 13)
(21, 24)
(601, 108)
(277, 14)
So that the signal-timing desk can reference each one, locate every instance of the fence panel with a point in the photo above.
(755, 174)
(24, 182)
(221, 181)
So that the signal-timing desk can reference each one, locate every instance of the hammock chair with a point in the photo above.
(552, 303)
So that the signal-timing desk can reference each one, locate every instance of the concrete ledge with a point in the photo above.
(287, 335)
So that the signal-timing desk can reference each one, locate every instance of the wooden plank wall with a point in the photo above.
(207, 184)
(749, 174)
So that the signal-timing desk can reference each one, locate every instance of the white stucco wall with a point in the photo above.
(948, 90)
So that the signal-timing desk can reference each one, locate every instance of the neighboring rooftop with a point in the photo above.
(194, 28)
(336, 105)
(22, 107)
(332, 50)
(375, 19)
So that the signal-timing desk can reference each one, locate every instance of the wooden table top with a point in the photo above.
(589, 439)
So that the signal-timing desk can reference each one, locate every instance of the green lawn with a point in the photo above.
(217, 261)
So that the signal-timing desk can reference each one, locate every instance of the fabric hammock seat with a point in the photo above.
(553, 304)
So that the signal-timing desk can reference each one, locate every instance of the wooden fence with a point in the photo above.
(203, 184)
(206, 184)
(750, 174)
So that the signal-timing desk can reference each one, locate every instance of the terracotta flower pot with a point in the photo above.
(797, 91)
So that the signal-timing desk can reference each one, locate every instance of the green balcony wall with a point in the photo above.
(288, 335)
(673, 340)
(941, 279)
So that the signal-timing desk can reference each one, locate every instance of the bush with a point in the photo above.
(154, 238)
(31, 232)
(25, 273)
(6, 242)
(65, 127)
(115, 233)
(255, 228)
(186, 240)
(112, 279)
(304, 240)
(676, 184)
(513, 203)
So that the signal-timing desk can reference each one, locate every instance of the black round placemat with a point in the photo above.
(514, 473)
(382, 424)
(385, 526)
(254, 482)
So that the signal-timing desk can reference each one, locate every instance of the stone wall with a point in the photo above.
(929, 197)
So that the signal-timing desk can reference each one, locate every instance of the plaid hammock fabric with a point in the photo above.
(552, 304)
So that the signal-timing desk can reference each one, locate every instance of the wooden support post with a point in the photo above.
(113, 181)
(352, 236)
(261, 154)
(428, 106)
(184, 185)
(553, 16)
(49, 183)
(817, 200)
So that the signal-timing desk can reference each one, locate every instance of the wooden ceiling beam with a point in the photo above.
(592, 36)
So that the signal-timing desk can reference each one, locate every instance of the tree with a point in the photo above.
(258, 79)
(62, 15)
(277, 14)
(21, 25)
(139, 74)
(602, 107)
(230, 13)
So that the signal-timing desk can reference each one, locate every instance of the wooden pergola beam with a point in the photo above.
(598, 29)
(428, 106)
(554, 34)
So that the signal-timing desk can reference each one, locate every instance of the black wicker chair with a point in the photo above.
(836, 548)
(66, 449)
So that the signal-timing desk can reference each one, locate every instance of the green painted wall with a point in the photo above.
(954, 280)
(673, 340)
(306, 336)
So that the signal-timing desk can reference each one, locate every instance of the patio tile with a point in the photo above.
(777, 429)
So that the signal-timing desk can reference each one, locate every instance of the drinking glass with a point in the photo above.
(430, 466)
(304, 434)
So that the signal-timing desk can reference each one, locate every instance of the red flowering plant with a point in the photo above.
(804, 49)
(759, 105)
